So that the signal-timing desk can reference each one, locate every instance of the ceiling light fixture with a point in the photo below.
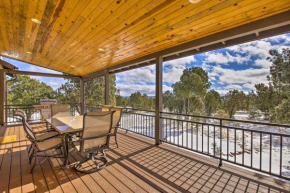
(28, 52)
(194, 1)
(36, 20)
(101, 49)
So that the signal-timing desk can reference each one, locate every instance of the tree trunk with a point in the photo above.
(202, 104)
(184, 107)
(188, 111)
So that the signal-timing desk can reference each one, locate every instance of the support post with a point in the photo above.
(158, 100)
(2, 97)
(82, 95)
(107, 88)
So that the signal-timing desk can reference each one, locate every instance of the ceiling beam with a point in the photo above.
(267, 27)
(40, 74)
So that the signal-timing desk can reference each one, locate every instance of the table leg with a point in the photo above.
(65, 151)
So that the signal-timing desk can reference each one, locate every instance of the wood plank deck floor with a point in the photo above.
(136, 166)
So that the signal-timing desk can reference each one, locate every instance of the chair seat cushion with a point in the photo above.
(90, 144)
(46, 135)
(49, 143)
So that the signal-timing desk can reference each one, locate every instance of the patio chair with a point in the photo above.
(44, 134)
(116, 121)
(39, 135)
(106, 107)
(39, 145)
(60, 110)
(94, 139)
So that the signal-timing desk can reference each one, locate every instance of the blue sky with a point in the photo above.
(53, 82)
(236, 67)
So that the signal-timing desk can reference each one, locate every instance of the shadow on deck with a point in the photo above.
(136, 166)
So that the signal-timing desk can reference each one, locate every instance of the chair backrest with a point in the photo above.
(117, 115)
(96, 127)
(60, 110)
(27, 128)
(106, 108)
(20, 112)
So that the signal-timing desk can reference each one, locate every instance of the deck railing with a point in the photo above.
(138, 121)
(260, 146)
(34, 115)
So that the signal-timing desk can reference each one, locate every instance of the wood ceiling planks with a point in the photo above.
(71, 32)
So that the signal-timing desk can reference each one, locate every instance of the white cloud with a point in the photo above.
(143, 79)
(233, 87)
(174, 69)
(225, 59)
(222, 92)
(249, 86)
(127, 90)
(55, 83)
(258, 48)
(285, 39)
(33, 68)
(264, 63)
(144, 75)
(230, 76)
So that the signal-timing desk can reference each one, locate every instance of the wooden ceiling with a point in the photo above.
(72, 31)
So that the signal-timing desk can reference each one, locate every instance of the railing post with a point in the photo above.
(221, 141)
(107, 88)
(158, 100)
(82, 96)
(2, 97)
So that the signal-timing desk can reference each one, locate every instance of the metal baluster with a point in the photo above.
(228, 144)
(182, 133)
(178, 132)
(221, 137)
(146, 125)
(150, 126)
(137, 123)
(243, 150)
(261, 151)
(202, 138)
(174, 134)
(166, 129)
(208, 139)
(191, 135)
(196, 126)
(170, 130)
(270, 161)
(281, 155)
(142, 123)
(235, 145)
(252, 152)
(187, 134)
(214, 141)
(133, 122)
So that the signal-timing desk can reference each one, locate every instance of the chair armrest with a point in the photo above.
(42, 140)
(108, 134)
(53, 136)
(44, 131)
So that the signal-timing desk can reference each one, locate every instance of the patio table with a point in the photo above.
(66, 126)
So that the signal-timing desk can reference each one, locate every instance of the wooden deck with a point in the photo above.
(136, 166)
